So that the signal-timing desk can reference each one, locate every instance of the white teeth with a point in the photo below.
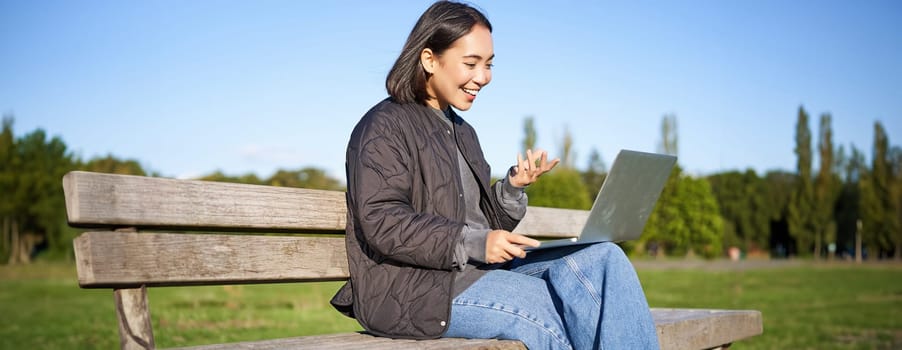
(471, 92)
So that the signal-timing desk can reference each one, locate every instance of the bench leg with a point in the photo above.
(135, 329)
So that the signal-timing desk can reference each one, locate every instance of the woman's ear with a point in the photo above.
(428, 60)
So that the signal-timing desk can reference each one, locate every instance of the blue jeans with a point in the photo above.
(582, 297)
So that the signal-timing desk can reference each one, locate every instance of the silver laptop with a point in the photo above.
(625, 200)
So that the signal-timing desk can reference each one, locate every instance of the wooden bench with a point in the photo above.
(141, 237)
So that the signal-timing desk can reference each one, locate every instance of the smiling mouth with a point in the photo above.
(470, 92)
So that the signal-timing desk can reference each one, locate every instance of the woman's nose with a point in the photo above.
(482, 77)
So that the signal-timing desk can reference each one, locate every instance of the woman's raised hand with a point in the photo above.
(501, 246)
(528, 171)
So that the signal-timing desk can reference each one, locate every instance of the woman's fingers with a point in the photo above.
(503, 246)
(496, 247)
(521, 164)
(515, 251)
(544, 165)
(553, 164)
(522, 240)
(534, 165)
(517, 242)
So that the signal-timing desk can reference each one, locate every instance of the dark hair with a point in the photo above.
(438, 28)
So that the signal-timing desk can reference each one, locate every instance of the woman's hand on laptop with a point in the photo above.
(501, 246)
(528, 170)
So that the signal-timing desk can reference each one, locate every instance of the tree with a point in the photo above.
(560, 188)
(801, 207)
(32, 208)
(305, 178)
(826, 190)
(568, 156)
(38, 203)
(669, 138)
(249, 178)
(8, 171)
(310, 177)
(686, 219)
(594, 175)
(895, 157)
(529, 131)
(879, 222)
(702, 217)
(741, 199)
(848, 202)
(778, 189)
(112, 165)
(729, 192)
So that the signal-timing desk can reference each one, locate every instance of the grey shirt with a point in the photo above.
(469, 255)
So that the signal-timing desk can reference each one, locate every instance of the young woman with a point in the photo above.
(429, 244)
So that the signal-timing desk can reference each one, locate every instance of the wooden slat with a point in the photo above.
(359, 341)
(552, 222)
(95, 200)
(109, 259)
(677, 329)
(105, 200)
(125, 259)
(704, 329)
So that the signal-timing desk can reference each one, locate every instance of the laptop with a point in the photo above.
(625, 200)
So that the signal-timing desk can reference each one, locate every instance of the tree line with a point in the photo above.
(847, 208)
(843, 204)
(32, 206)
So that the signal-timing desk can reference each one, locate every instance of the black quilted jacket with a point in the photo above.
(405, 216)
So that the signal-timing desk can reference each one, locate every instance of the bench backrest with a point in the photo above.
(166, 232)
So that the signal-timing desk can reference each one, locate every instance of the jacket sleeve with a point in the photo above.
(512, 199)
(379, 186)
(508, 205)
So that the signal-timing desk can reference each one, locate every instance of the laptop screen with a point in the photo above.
(627, 196)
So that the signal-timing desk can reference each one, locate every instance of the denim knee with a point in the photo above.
(473, 318)
(608, 253)
(607, 249)
(509, 305)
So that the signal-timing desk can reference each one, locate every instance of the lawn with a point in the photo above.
(813, 306)
(805, 306)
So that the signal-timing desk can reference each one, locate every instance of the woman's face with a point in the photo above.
(461, 71)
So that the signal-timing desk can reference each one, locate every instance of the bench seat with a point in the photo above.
(677, 329)
(361, 341)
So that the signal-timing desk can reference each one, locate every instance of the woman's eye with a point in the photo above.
(471, 65)
(489, 66)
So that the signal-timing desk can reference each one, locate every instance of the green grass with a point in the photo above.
(42, 307)
(807, 306)
(814, 306)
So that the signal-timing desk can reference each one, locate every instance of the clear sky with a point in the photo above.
(190, 87)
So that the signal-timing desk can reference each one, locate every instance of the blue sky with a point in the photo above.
(190, 87)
